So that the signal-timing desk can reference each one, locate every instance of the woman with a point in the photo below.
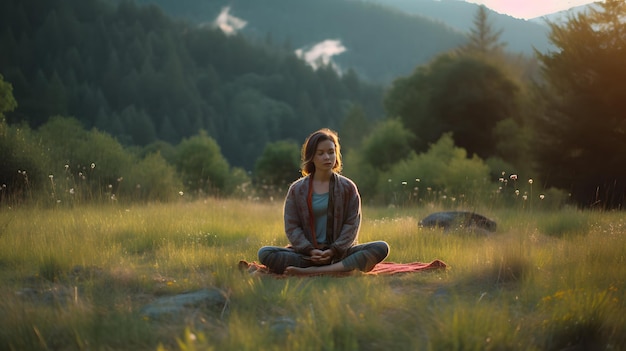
(322, 217)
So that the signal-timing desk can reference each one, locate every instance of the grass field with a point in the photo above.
(77, 279)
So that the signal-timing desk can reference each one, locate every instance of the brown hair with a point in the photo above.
(310, 146)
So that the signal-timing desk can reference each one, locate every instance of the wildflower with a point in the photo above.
(525, 197)
(530, 181)
(93, 165)
(417, 180)
(513, 177)
(542, 196)
(389, 180)
(71, 191)
(516, 192)
(404, 183)
(181, 193)
(51, 176)
(67, 166)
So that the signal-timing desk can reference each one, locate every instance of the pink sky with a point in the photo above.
(530, 8)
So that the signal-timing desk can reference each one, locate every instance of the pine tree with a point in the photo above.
(581, 135)
(482, 39)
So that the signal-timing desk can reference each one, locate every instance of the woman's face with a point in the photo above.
(325, 157)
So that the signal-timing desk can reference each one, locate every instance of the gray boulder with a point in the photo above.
(206, 299)
(459, 220)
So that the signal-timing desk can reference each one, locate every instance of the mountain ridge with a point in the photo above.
(380, 39)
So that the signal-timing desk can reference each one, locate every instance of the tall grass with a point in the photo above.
(77, 278)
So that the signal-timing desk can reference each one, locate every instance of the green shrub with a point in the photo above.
(22, 160)
(82, 165)
(200, 162)
(152, 179)
(443, 175)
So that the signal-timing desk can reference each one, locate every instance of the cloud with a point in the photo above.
(227, 23)
(322, 53)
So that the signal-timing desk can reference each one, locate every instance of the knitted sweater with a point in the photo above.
(344, 216)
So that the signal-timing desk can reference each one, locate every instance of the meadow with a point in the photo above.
(77, 278)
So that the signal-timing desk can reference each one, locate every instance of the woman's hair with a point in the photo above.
(310, 147)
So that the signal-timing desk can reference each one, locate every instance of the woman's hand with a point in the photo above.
(321, 257)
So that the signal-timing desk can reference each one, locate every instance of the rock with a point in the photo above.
(280, 327)
(453, 220)
(53, 295)
(212, 299)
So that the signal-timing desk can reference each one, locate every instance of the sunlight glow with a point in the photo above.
(528, 9)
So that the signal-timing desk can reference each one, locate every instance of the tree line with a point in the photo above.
(135, 73)
(474, 126)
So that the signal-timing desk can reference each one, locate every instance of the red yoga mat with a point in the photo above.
(383, 268)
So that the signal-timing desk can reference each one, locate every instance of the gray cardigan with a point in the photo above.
(344, 216)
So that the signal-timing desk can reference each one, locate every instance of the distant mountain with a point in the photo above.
(379, 39)
(378, 42)
(562, 16)
(520, 35)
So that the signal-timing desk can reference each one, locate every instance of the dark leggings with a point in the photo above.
(362, 257)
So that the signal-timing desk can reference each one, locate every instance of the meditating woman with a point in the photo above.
(322, 213)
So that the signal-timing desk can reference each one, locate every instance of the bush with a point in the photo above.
(82, 165)
(444, 175)
(22, 172)
(277, 167)
(202, 167)
(152, 179)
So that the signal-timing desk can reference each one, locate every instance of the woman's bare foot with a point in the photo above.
(335, 268)
(298, 271)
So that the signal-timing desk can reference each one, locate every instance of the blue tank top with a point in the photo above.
(320, 211)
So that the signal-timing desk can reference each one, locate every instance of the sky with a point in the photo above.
(527, 9)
